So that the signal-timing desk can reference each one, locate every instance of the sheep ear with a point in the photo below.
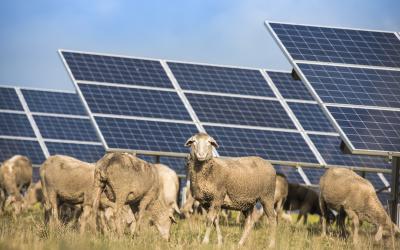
(190, 141)
(214, 142)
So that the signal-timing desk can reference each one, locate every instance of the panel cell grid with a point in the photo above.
(357, 86)
(176, 164)
(15, 125)
(288, 87)
(134, 102)
(339, 45)
(9, 99)
(31, 149)
(291, 173)
(66, 128)
(242, 111)
(311, 117)
(53, 102)
(369, 128)
(314, 174)
(272, 145)
(329, 147)
(220, 79)
(83, 152)
(145, 135)
(114, 69)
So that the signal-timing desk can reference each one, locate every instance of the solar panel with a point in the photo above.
(244, 111)
(85, 152)
(370, 129)
(291, 173)
(15, 125)
(29, 148)
(53, 102)
(145, 135)
(311, 117)
(362, 99)
(357, 86)
(338, 45)
(35, 174)
(134, 102)
(112, 69)
(288, 87)
(9, 99)
(329, 147)
(314, 174)
(220, 79)
(273, 145)
(63, 128)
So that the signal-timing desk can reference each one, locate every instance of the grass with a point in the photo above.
(28, 232)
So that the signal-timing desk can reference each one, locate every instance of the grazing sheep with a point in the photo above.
(67, 180)
(15, 178)
(170, 182)
(343, 189)
(305, 200)
(33, 195)
(136, 182)
(234, 183)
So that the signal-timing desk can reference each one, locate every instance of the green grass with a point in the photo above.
(28, 232)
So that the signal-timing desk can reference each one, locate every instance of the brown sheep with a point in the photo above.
(15, 178)
(343, 189)
(231, 183)
(136, 182)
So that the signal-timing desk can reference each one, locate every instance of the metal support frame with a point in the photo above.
(394, 188)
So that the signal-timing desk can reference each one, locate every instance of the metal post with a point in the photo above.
(157, 159)
(363, 174)
(394, 188)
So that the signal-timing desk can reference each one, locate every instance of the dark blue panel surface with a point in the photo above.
(53, 102)
(134, 102)
(145, 135)
(243, 111)
(374, 179)
(288, 87)
(339, 45)
(271, 145)
(329, 147)
(311, 117)
(35, 174)
(9, 99)
(357, 86)
(220, 79)
(83, 152)
(15, 125)
(66, 128)
(114, 69)
(368, 128)
(31, 149)
(314, 174)
(385, 198)
(290, 172)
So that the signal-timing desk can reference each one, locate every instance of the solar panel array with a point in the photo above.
(248, 111)
(355, 76)
(40, 123)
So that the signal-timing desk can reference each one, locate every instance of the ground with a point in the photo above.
(28, 232)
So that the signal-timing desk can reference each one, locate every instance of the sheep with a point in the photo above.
(136, 182)
(232, 183)
(15, 178)
(170, 182)
(342, 189)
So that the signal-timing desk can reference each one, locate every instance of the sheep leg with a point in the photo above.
(84, 218)
(142, 208)
(341, 217)
(211, 216)
(218, 229)
(54, 221)
(249, 216)
(356, 223)
(268, 204)
(324, 209)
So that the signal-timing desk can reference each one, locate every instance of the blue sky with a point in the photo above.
(221, 32)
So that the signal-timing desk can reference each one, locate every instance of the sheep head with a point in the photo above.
(201, 146)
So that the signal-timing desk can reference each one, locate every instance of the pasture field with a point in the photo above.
(29, 232)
